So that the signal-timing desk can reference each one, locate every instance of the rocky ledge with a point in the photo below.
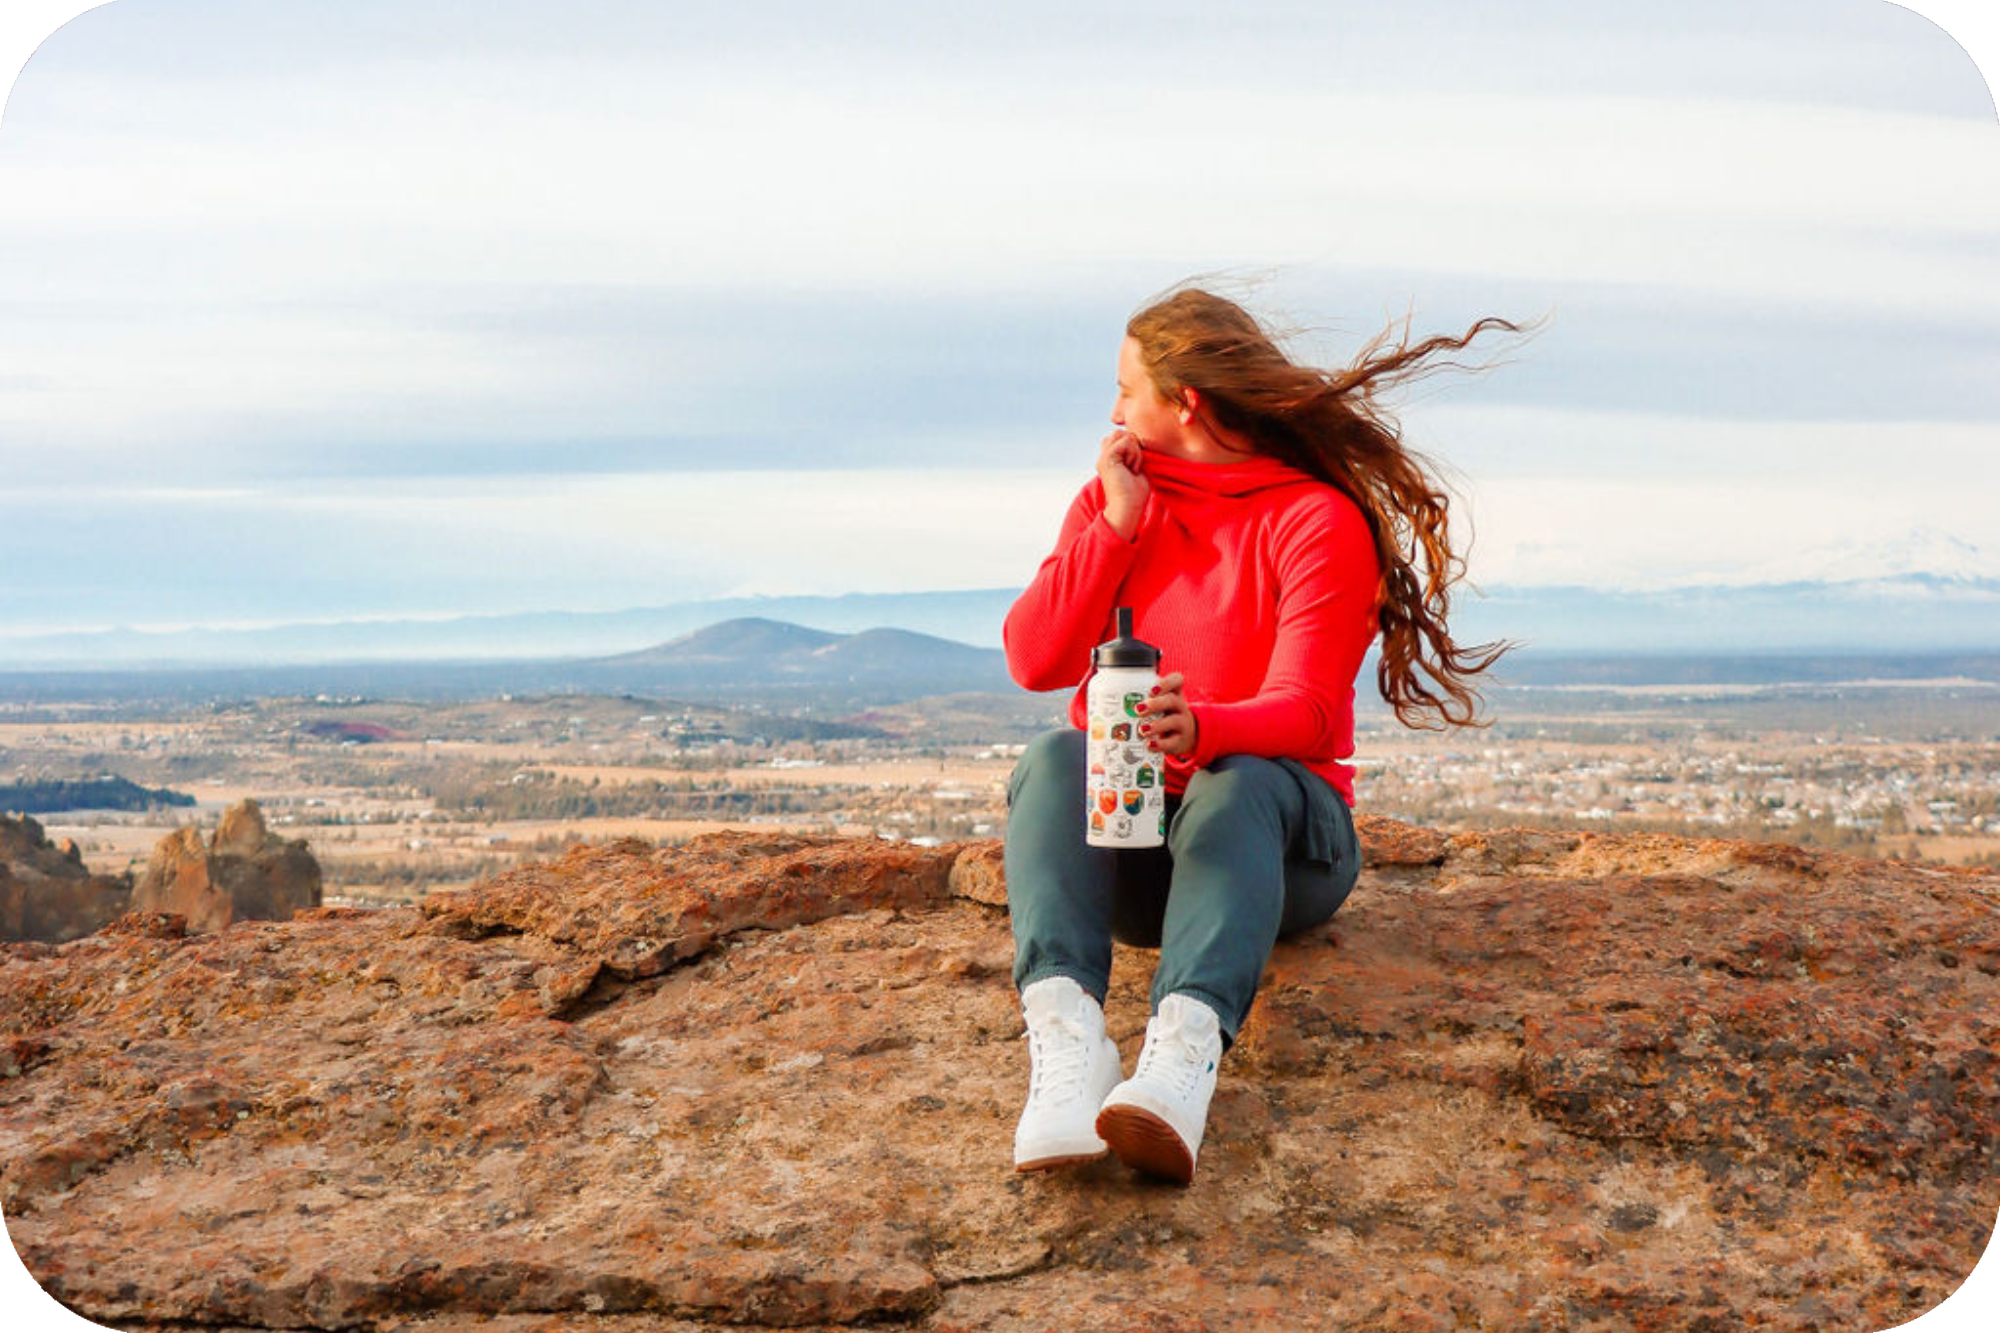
(1524, 1080)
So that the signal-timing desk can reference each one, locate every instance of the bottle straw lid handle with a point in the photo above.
(1126, 650)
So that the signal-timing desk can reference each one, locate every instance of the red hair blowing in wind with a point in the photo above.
(1330, 424)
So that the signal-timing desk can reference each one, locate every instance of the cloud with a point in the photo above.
(1660, 533)
(604, 541)
(580, 541)
(650, 265)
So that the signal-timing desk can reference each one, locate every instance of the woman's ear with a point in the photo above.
(1190, 406)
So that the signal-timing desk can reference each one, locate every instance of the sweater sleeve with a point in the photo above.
(1054, 624)
(1326, 573)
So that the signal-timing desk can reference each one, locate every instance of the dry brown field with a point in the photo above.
(362, 811)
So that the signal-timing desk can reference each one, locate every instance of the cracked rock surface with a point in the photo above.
(1524, 1080)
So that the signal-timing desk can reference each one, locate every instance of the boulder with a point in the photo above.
(243, 873)
(46, 893)
(1582, 1081)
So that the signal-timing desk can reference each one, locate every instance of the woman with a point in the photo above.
(1264, 521)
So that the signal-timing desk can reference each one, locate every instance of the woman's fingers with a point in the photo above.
(1166, 696)
(1118, 453)
(1122, 450)
(1172, 735)
(1169, 724)
(1120, 469)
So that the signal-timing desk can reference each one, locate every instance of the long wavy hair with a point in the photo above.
(1330, 424)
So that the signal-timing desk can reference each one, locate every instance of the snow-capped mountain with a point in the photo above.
(1925, 590)
(1924, 553)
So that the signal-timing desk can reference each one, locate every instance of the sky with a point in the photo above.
(354, 310)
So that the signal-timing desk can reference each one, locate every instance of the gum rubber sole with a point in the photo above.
(1145, 1142)
(1070, 1159)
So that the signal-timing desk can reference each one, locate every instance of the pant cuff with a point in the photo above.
(1095, 987)
(1226, 1022)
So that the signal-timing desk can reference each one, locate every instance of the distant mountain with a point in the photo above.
(1923, 556)
(1926, 591)
(777, 671)
(1910, 613)
(971, 616)
(750, 662)
(753, 651)
(747, 638)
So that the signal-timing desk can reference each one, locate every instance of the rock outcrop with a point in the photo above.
(1523, 1080)
(244, 873)
(46, 893)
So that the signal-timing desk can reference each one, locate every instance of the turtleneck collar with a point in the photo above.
(1179, 476)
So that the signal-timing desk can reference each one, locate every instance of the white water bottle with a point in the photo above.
(1125, 784)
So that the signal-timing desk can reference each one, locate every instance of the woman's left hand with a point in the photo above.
(1169, 725)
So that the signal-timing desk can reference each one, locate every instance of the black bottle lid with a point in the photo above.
(1125, 651)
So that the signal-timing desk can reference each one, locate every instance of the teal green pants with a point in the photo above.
(1256, 849)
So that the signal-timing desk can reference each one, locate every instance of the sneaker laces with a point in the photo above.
(1059, 1048)
(1171, 1058)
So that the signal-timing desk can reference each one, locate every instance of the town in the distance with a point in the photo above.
(401, 780)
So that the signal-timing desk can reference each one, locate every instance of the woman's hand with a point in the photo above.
(1170, 726)
(1121, 469)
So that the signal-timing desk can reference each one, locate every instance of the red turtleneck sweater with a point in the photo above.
(1256, 582)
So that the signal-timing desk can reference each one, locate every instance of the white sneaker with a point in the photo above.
(1073, 1064)
(1154, 1120)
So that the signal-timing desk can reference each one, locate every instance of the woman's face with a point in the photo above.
(1139, 408)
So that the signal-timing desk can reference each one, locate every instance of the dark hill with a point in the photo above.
(743, 639)
(745, 655)
(895, 649)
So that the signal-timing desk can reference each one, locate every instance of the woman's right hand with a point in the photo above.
(1121, 468)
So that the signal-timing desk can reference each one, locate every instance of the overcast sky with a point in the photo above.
(321, 310)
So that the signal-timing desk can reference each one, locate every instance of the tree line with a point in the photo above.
(101, 793)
